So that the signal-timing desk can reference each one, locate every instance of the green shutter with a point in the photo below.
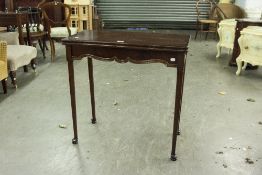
(147, 13)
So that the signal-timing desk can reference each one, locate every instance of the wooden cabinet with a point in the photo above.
(226, 32)
(250, 43)
(241, 24)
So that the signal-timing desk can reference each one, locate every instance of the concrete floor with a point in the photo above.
(134, 137)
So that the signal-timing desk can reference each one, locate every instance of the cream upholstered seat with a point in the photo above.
(17, 55)
(19, 58)
(62, 32)
(3, 65)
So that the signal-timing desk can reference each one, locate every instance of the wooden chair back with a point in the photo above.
(204, 9)
(35, 17)
(52, 21)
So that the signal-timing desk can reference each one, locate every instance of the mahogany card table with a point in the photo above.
(122, 47)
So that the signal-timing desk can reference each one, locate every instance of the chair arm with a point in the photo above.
(3, 51)
(3, 60)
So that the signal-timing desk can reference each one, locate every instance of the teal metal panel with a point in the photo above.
(148, 13)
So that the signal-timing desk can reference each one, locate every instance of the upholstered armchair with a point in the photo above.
(3, 64)
(17, 55)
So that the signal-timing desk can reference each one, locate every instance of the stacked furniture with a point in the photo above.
(227, 27)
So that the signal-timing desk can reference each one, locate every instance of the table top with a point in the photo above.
(254, 20)
(11, 18)
(126, 39)
(11, 13)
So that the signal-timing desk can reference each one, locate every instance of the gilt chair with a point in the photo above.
(206, 23)
(17, 55)
(3, 65)
(57, 29)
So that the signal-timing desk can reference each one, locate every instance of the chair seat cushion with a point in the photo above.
(61, 32)
(208, 21)
(10, 37)
(19, 55)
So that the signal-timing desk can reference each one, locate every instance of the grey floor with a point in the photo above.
(135, 112)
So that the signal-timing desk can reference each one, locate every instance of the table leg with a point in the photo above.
(72, 94)
(179, 94)
(91, 83)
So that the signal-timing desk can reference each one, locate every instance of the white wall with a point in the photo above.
(253, 8)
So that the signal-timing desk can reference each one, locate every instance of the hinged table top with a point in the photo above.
(129, 39)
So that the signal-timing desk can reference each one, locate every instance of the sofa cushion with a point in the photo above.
(19, 55)
(61, 32)
(10, 37)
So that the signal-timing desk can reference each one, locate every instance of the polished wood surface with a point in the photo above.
(2, 5)
(241, 23)
(16, 19)
(135, 47)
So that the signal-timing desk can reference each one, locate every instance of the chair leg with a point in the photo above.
(208, 26)
(25, 68)
(218, 50)
(52, 45)
(33, 64)
(206, 35)
(197, 30)
(4, 83)
(45, 46)
(239, 65)
(216, 33)
(13, 78)
(42, 47)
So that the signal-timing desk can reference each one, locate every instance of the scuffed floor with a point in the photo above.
(221, 133)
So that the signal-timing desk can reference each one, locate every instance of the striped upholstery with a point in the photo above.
(3, 60)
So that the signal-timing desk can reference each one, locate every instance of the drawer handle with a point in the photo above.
(173, 59)
(246, 47)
